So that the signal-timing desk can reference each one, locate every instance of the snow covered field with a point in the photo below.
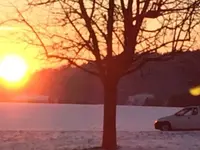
(67, 127)
(51, 117)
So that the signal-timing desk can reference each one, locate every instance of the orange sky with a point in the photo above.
(11, 34)
(10, 42)
(11, 45)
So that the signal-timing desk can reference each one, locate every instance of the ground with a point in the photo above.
(144, 140)
(76, 127)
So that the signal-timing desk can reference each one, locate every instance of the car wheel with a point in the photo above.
(166, 127)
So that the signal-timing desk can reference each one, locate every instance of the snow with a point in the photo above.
(58, 117)
(69, 127)
(75, 140)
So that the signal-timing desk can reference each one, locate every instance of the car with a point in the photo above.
(187, 118)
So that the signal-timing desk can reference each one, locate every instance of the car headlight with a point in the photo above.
(156, 121)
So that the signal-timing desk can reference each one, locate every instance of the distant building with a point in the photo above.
(140, 99)
(32, 98)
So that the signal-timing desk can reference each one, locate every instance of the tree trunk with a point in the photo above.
(109, 123)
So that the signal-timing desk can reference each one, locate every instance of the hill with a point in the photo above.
(164, 80)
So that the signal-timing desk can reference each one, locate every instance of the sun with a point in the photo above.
(13, 68)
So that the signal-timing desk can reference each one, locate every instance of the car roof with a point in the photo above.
(192, 106)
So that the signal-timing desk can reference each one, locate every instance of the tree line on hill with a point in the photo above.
(168, 81)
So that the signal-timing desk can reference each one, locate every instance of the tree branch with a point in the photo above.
(144, 61)
(90, 29)
(46, 51)
(110, 28)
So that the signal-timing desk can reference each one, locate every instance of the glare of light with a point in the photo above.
(13, 68)
(6, 28)
(195, 91)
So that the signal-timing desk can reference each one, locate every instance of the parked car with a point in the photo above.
(187, 118)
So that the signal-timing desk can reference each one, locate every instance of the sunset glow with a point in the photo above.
(13, 68)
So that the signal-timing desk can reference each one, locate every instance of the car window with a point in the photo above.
(184, 111)
(189, 112)
(195, 111)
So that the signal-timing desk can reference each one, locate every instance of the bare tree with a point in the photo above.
(116, 37)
